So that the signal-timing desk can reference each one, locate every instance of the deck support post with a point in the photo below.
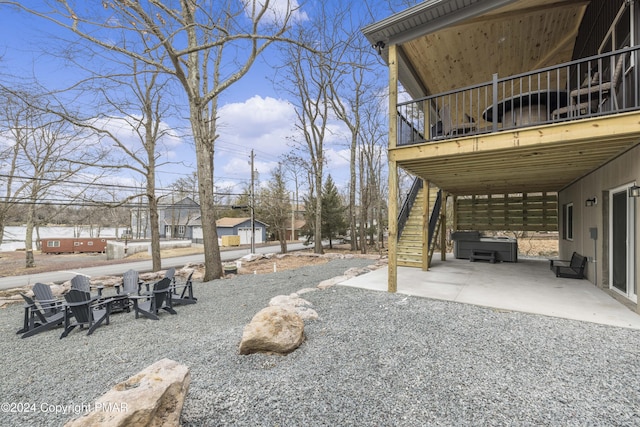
(443, 227)
(393, 171)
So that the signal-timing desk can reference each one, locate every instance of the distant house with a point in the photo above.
(242, 227)
(294, 233)
(176, 220)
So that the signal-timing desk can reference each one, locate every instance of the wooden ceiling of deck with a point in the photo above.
(532, 160)
(526, 35)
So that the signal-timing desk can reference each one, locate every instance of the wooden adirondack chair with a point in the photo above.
(171, 274)
(50, 304)
(186, 294)
(148, 305)
(82, 310)
(36, 319)
(82, 283)
(130, 286)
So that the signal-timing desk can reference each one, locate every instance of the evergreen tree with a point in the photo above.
(333, 212)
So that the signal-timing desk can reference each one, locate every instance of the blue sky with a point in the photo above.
(252, 114)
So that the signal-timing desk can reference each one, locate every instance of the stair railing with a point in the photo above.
(403, 216)
(435, 215)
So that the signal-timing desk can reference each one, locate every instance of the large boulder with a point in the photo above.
(273, 329)
(295, 303)
(153, 397)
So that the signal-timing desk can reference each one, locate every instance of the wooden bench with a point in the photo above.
(483, 254)
(573, 269)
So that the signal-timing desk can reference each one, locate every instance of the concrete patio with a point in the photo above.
(527, 286)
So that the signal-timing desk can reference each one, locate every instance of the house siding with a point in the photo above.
(621, 171)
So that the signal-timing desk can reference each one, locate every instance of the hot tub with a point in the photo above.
(465, 242)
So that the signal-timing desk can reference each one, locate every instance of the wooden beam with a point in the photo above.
(393, 172)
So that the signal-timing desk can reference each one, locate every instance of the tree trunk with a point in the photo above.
(283, 241)
(204, 159)
(156, 259)
(352, 194)
(30, 262)
(318, 225)
(364, 207)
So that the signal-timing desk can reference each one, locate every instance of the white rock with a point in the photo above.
(153, 397)
(273, 329)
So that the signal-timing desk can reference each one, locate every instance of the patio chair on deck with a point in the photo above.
(451, 128)
(594, 94)
(151, 303)
(186, 295)
(82, 310)
(36, 319)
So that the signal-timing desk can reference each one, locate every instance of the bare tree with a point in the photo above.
(373, 148)
(12, 117)
(208, 45)
(274, 206)
(307, 78)
(351, 88)
(186, 186)
(135, 105)
(49, 151)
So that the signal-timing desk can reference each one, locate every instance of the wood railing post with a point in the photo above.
(494, 108)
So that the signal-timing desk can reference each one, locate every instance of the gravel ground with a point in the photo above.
(372, 359)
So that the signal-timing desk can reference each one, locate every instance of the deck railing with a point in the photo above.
(599, 85)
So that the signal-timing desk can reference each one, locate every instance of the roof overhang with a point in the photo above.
(447, 44)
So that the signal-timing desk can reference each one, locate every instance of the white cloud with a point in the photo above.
(262, 124)
(267, 125)
(278, 10)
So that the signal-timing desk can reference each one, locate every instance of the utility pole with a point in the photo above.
(253, 204)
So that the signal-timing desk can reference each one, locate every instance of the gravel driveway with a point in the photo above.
(373, 359)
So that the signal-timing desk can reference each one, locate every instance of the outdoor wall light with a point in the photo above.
(379, 46)
(634, 191)
(591, 202)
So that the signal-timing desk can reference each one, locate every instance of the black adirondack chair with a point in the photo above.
(50, 304)
(183, 293)
(130, 286)
(82, 310)
(36, 319)
(149, 304)
(131, 283)
(82, 283)
(171, 274)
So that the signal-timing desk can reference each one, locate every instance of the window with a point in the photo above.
(53, 244)
(76, 243)
(619, 33)
(89, 243)
(567, 221)
(181, 230)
